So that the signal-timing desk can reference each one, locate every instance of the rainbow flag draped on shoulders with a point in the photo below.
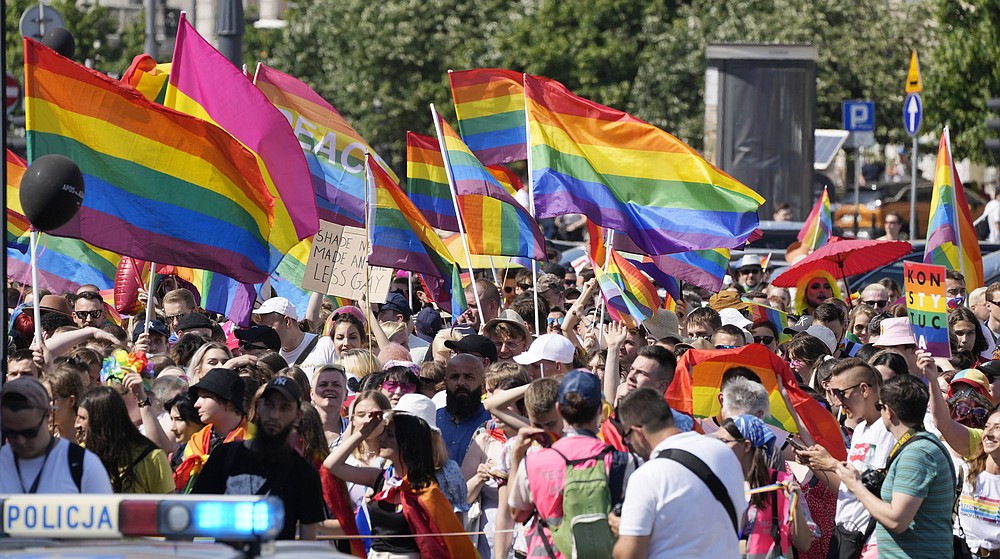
(495, 224)
(161, 185)
(951, 237)
(695, 391)
(489, 106)
(333, 149)
(204, 84)
(427, 181)
(401, 238)
(818, 226)
(630, 176)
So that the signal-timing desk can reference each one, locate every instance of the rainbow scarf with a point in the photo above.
(338, 500)
(196, 453)
(429, 514)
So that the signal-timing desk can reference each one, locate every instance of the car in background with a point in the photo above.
(885, 198)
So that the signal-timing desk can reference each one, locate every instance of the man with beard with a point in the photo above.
(267, 465)
(463, 412)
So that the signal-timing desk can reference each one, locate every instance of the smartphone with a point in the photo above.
(796, 444)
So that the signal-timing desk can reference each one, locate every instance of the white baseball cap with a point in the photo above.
(554, 347)
(734, 317)
(279, 305)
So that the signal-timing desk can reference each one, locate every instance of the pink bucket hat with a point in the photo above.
(895, 332)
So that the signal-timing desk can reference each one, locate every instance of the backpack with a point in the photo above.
(584, 532)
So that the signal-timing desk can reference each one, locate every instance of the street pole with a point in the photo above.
(913, 190)
(150, 46)
(858, 162)
(229, 28)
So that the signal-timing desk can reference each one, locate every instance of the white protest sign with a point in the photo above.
(338, 265)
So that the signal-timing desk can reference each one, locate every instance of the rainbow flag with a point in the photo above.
(333, 149)
(495, 224)
(704, 268)
(507, 178)
(286, 279)
(951, 237)
(427, 181)
(205, 85)
(65, 264)
(161, 185)
(219, 293)
(630, 176)
(489, 106)
(400, 237)
(818, 226)
(17, 224)
(764, 312)
(695, 390)
(148, 77)
(626, 289)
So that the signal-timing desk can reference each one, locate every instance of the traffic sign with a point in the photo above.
(913, 84)
(913, 113)
(859, 116)
(11, 92)
(38, 19)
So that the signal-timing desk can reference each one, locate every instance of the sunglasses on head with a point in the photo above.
(763, 340)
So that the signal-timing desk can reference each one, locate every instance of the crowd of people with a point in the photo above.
(532, 425)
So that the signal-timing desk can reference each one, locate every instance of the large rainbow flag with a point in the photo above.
(65, 264)
(489, 106)
(695, 390)
(630, 176)
(333, 149)
(818, 227)
(401, 238)
(17, 224)
(951, 237)
(204, 84)
(427, 181)
(495, 224)
(161, 185)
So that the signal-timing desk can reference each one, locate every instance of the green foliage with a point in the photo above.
(961, 72)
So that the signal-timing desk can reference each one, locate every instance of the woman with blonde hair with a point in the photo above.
(440, 353)
(358, 364)
(209, 356)
(812, 290)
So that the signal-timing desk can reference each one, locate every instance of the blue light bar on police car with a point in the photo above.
(171, 516)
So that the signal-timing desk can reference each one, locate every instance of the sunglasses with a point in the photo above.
(766, 340)
(877, 304)
(508, 289)
(965, 410)
(720, 346)
(182, 315)
(391, 386)
(841, 393)
(554, 321)
(569, 283)
(253, 347)
(11, 434)
(84, 315)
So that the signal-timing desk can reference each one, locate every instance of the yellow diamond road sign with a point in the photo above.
(913, 84)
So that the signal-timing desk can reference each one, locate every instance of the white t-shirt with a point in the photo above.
(669, 503)
(56, 477)
(992, 213)
(322, 354)
(870, 447)
(977, 511)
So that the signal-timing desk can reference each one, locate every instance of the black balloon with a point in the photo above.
(51, 191)
(60, 40)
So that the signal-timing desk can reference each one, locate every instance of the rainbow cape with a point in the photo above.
(333, 149)
(951, 237)
(161, 185)
(818, 227)
(400, 237)
(630, 176)
(495, 224)
(204, 84)
(695, 390)
(427, 181)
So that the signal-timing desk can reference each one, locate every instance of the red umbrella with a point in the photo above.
(842, 258)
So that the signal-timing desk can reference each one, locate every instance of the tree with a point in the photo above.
(961, 71)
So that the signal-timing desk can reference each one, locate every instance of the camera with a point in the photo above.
(872, 480)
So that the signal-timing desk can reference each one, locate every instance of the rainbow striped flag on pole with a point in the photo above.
(951, 237)
(333, 149)
(626, 289)
(489, 106)
(204, 84)
(161, 185)
(400, 237)
(495, 223)
(427, 181)
(17, 224)
(818, 226)
(630, 176)
(65, 264)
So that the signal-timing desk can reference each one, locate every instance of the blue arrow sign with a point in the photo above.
(913, 113)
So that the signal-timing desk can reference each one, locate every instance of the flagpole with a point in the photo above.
(493, 268)
(149, 297)
(609, 235)
(368, 233)
(35, 299)
(458, 209)
(531, 204)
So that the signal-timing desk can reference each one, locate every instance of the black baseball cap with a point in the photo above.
(259, 334)
(474, 344)
(287, 387)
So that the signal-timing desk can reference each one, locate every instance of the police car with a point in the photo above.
(147, 526)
